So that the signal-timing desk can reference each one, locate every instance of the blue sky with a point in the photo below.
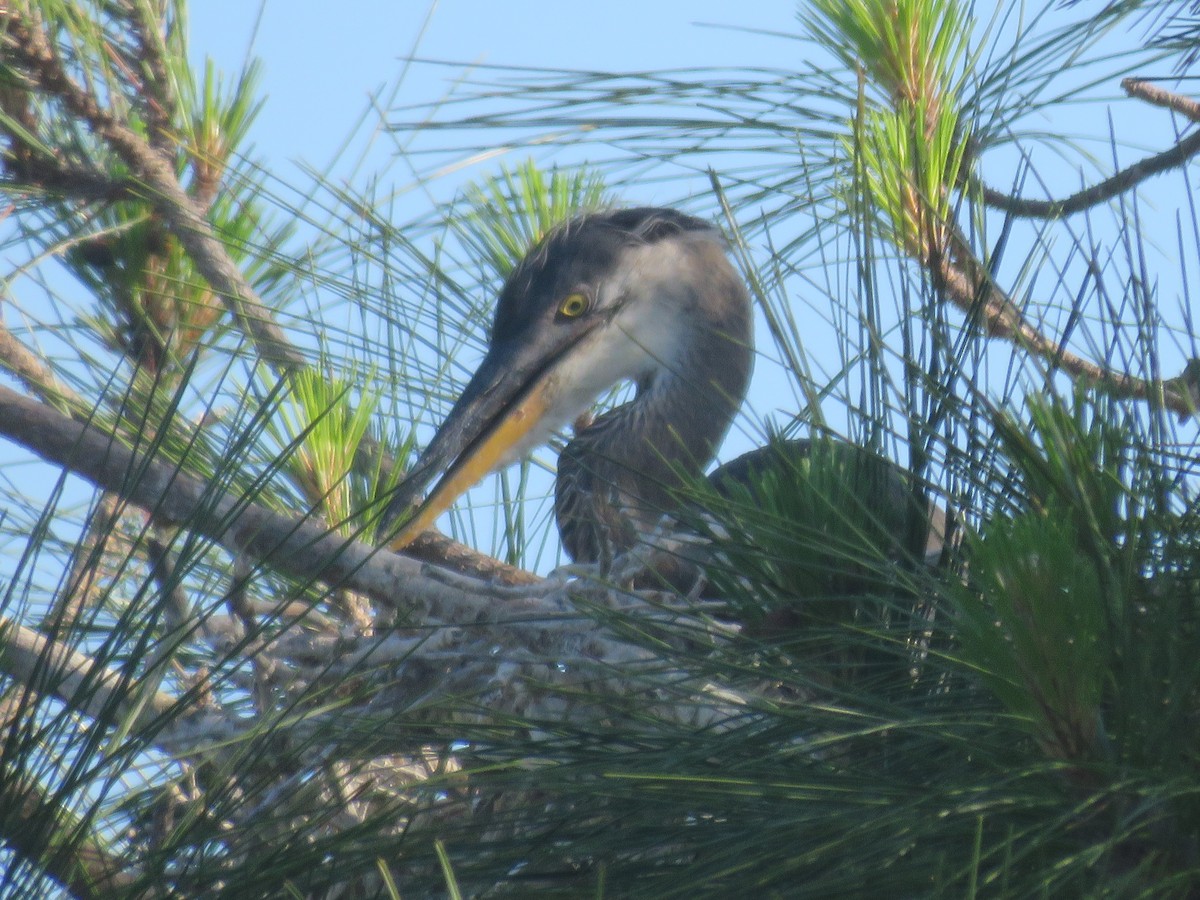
(320, 66)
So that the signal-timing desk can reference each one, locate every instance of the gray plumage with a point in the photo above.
(644, 295)
(617, 476)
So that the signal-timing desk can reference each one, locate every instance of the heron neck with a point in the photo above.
(618, 476)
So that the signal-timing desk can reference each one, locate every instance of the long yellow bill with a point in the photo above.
(472, 465)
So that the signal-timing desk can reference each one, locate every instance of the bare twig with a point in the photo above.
(178, 608)
(1122, 181)
(83, 586)
(1152, 93)
(445, 552)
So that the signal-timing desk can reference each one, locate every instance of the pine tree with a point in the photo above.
(214, 680)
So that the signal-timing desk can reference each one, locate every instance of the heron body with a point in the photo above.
(870, 493)
(643, 295)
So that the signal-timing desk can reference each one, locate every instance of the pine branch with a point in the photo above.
(27, 45)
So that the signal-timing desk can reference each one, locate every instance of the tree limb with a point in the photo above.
(50, 667)
(304, 549)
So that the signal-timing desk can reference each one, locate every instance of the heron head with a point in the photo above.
(604, 298)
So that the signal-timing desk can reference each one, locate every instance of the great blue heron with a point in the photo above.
(643, 295)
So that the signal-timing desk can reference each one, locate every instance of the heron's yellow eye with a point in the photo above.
(573, 305)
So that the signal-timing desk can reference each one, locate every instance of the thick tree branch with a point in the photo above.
(304, 549)
(50, 667)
